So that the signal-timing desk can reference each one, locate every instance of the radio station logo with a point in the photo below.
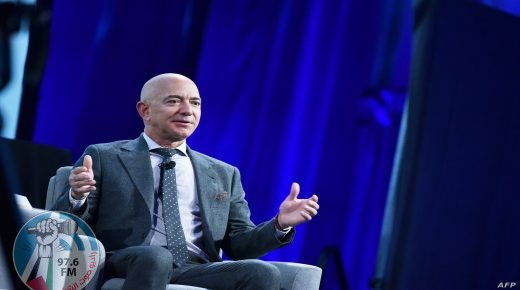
(56, 250)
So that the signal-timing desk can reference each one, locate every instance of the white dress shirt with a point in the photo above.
(187, 198)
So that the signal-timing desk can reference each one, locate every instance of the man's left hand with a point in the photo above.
(294, 211)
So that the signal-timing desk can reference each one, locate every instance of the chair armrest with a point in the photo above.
(57, 184)
(299, 276)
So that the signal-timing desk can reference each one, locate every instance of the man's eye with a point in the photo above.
(173, 101)
(196, 103)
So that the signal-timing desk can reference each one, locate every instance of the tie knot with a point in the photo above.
(166, 152)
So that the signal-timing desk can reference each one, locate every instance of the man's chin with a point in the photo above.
(181, 135)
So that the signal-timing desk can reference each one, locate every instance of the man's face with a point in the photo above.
(171, 111)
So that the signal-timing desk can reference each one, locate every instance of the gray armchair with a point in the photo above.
(294, 275)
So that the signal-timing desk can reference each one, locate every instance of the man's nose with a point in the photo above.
(186, 108)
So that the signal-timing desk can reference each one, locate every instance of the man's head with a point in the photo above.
(170, 108)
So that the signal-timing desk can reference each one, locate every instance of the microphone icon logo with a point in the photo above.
(67, 227)
(56, 250)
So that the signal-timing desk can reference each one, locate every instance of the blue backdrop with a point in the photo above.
(307, 91)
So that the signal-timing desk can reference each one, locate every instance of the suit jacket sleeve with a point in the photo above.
(243, 239)
(87, 211)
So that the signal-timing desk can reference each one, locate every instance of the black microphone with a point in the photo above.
(67, 227)
(170, 164)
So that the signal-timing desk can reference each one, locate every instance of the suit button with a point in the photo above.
(144, 235)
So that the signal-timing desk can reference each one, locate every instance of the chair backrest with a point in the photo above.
(57, 185)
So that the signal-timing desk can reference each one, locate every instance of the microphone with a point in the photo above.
(67, 227)
(168, 164)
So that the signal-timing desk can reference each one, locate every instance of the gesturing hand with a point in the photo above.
(81, 179)
(294, 211)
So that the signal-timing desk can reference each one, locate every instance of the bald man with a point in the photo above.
(115, 188)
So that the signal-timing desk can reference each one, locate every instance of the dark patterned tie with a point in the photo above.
(172, 219)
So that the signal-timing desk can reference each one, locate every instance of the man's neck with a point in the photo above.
(165, 143)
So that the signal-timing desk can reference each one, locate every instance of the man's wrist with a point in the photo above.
(75, 197)
(278, 226)
(76, 203)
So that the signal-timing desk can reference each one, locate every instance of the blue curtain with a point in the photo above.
(306, 91)
(509, 6)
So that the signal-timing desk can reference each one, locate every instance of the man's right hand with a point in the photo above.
(81, 179)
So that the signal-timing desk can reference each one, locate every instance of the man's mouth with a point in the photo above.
(182, 121)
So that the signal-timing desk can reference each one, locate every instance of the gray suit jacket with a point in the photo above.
(120, 210)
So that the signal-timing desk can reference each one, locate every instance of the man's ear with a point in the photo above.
(143, 109)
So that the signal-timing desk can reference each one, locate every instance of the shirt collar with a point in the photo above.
(152, 144)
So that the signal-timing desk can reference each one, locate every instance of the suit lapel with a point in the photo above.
(136, 160)
(205, 177)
